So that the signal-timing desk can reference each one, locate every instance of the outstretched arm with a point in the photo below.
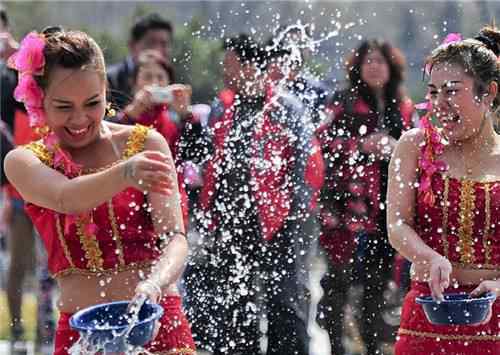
(168, 222)
(401, 202)
(47, 187)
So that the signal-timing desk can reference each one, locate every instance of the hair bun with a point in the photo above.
(490, 37)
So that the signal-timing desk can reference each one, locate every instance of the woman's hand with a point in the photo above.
(481, 289)
(146, 290)
(142, 102)
(182, 98)
(150, 171)
(439, 276)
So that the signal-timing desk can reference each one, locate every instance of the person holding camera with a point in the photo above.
(166, 107)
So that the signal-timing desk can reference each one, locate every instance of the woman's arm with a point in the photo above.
(401, 202)
(47, 187)
(167, 219)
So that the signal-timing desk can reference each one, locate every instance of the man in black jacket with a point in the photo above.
(149, 32)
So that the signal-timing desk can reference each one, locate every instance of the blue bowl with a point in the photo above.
(457, 308)
(106, 324)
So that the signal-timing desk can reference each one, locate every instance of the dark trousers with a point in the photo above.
(371, 269)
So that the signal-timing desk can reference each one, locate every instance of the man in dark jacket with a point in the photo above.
(149, 32)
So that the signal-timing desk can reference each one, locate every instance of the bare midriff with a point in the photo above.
(81, 291)
(459, 275)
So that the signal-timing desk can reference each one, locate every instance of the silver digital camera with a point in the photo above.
(161, 95)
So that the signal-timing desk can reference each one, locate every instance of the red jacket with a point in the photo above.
(272, 192)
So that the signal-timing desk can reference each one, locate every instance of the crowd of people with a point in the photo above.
(280, 168)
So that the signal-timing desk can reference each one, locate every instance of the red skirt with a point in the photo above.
(174, 336)
(416, 336)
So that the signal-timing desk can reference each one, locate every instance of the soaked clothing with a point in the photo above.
(119, 241)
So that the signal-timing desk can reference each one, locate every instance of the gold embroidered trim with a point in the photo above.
(444, 233)
(135, 142)
(484, 337)
(105, 272)
(477, 266)
(466, 218)
(91, 247)
(41, 152)
(62, 240)
(116, 234)
(487, 224)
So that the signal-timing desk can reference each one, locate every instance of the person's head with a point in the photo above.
(242, 60)
(69, 88)
(280, 62)
(463, 84)
(376, 66)
(151, 32)
(4, 21)
(152, 70)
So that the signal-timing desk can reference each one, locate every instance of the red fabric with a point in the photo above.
(413, 318)
(23, 133)
(351, 195)
(430, 227)
(159, 118)
(137, 239)
(271, 186)
(175, 332)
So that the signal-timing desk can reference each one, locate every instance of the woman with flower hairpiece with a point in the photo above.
(444, 197)
(105, 199)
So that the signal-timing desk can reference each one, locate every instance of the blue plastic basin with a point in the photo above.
(457, 308)
(105, 322)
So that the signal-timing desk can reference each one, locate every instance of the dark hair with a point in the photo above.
(71, 50)
(477, 56)
(245, 48)
(393, 90)
(4, 18)
(149, 22)
(151, 56)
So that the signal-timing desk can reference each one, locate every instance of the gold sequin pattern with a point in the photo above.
(487, 224)
(41, 152)
(135, 143)
(91, 247)
(104, 272)
(116, 234)
(62, 240)
(481, 337)
(444, 233)
(466, 220)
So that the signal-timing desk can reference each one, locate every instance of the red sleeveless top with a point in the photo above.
(462, 223)
(124, 238)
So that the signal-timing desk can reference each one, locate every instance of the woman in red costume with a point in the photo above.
(444, 194)
(105, 201)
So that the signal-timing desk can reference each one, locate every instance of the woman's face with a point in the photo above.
(375, 70)
(455, 102)
(75, 104)
(151, 74)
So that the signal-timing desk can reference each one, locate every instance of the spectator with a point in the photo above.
(149, 32)
(366, 120)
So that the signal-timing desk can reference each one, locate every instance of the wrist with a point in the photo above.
(151, 288)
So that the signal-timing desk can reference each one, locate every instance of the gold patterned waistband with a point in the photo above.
(111, 271)
(480, 337)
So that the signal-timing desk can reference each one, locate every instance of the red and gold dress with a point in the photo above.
(124, 239)
(461, 222)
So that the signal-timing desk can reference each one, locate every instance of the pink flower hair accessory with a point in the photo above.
(29, 61)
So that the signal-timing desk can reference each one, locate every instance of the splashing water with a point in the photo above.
(88, 344)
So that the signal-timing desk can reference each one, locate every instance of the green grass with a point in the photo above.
(28, 316)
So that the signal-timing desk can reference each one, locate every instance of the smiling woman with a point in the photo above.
(106, 201)
(443, 197)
